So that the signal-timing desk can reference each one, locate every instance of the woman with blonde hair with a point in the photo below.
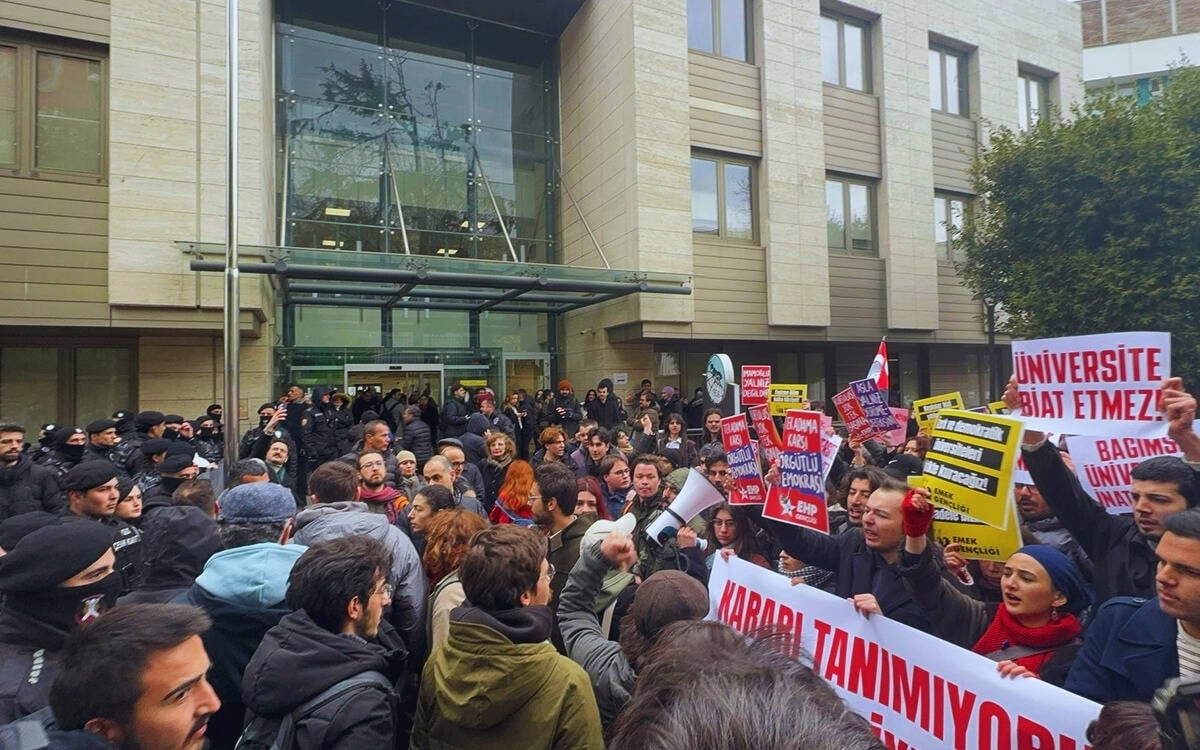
(512, 500)
(447, 537)
(500, 452)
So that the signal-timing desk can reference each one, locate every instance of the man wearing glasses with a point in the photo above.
(337, 590)
(496, 681)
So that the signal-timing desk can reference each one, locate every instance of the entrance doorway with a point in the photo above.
(409, 378)
(528, 371)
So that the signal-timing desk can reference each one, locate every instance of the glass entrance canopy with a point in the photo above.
(336, 278)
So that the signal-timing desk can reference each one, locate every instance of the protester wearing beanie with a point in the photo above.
(92, 493)
(564, 410)
(54, 579)
(665, 597)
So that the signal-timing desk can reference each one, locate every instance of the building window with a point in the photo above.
(720, 27)
(947, 81)
(1033, 100)
(8, 105)
(850, 216)
(723, 198)
(845, 53)
(948, 212)
(52, 110)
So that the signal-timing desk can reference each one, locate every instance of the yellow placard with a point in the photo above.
(925, 409)
(977, 540)
(998, 407)
(784, 396)
(474, 382)
(969, 465)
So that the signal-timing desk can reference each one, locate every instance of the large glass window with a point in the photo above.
(947, 81)
(948, 212)
(445, 137)
(52, 109)
(722, 198)
(845, 53)
(29, 386)
(68, 114)
(720, 27)
(1033, 100)
(72, 383)
(8, 105)
(850, 215)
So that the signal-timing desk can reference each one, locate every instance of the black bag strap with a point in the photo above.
(283, 739)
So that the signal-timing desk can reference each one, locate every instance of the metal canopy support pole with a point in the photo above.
(232, 291)
(583, 218)
(391, 176)
(495, 205)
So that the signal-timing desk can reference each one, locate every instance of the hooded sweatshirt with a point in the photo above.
(242, 590)
(497, 683)
(298, 659)
(324, 521)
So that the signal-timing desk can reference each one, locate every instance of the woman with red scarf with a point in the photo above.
(1034, 631)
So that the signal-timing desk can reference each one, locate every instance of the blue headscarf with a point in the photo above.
(1064, 575)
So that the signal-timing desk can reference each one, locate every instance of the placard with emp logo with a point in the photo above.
(969, 466)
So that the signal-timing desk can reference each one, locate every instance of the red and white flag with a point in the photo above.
(879, 368)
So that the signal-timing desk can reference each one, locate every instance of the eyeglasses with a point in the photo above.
(723, 523)
(550, 570)
(533, 498)
(386, 591)
(620, 472)
(457, 464)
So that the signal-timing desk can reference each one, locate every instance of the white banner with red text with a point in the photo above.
(915, 690)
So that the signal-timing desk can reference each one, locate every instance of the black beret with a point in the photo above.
(179, 456)
(173, 418)
(155, 445)
(46, 557)
(267, 405)
(100, 425)
(122, 415)
(148, 418)
(15, 528)
(63, 434)
(89, 475)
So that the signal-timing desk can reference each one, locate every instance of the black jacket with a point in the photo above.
(177, 541)
(298, 659)
(28, 663)
(859, 569)
(609, 413)
(25, 486)
(1124, 562)
(59, 463)
(418, 439)
(319, 429)
(569, 419)
(454, 417)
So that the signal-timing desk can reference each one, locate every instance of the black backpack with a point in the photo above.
(263, 733)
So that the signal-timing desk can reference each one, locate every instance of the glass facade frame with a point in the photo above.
(439, 137)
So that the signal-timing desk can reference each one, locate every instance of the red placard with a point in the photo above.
(749, 488)
(853, 415)
(769, 441)
(755, 381)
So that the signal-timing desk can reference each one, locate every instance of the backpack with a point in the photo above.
(264, 733)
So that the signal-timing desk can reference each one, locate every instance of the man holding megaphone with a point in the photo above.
(668, 537)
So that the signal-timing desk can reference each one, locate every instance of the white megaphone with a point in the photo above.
(697, 495)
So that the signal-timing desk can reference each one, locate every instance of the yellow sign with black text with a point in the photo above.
(969, 464)
(925, 410)
(784, 396)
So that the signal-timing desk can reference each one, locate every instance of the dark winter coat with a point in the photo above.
(299, 659)
(1124, 562)
(1128, 653)
(454, 417)
(28, 663)
(242, 590)
(418, 439)
(859, 569)
(25, 486)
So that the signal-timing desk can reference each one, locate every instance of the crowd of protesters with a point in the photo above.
(387, 571)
